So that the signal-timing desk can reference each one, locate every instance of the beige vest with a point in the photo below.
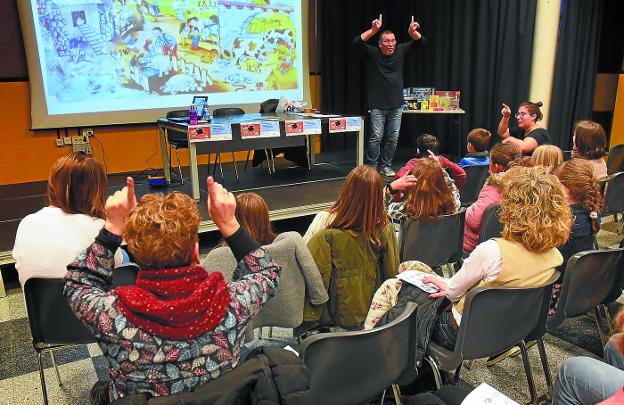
(520, 268)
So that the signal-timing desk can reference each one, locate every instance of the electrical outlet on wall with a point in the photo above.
(87, 132)
(67, 140)
(82, 147)
(59, 142)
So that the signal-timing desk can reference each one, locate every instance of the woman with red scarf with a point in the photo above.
(178, 326)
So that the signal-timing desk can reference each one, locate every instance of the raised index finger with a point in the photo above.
(412, 19)
(130, 186)
(379, 18)
(505, 105)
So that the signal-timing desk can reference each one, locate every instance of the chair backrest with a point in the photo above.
(432, 243)
(227, 111)
(490, 224)
(589, 278)
(614, 198)
(178, 139)
(615, 160)
(475, 179)
(353, 367)
(285, 309)
(269, 106)
(51, 320)
(497, 318)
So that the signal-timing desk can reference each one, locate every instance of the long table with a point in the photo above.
(238, 142)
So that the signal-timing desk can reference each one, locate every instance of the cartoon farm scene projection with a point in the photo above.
(115, 49)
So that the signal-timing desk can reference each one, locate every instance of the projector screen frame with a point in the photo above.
(41, 119)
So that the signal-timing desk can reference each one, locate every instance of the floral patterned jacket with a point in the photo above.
(141, 362)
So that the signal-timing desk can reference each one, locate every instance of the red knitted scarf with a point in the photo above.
(177, 304)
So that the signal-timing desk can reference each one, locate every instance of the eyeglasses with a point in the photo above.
(520, 114)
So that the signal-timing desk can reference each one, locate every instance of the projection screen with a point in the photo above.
(104, 62)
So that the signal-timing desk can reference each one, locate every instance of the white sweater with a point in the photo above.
(48, 240)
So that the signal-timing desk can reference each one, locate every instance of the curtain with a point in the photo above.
(576, 66)
(480, 47)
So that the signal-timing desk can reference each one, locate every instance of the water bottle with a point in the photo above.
(193, 115)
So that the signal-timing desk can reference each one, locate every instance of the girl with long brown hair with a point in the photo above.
(355, 250)
(428, 198)
(590, 143)
(49, 239)
(577, 176)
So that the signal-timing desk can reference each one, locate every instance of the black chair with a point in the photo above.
(224, 113)
(475, 179)
(493, 320)
(614, 199)
(178, 139)
(590, 277)
(53, 324)
(618, 288)
(490, 224)
(353, 367)
(615, 160)
(433, 243)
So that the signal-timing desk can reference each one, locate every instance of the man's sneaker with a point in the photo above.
(514, 351)
(387, 171)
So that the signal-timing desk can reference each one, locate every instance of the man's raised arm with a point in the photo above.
(374, 29)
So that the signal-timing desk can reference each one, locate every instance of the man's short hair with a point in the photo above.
(385, 32)
(479, 138)
(161, 231)
(427, 142)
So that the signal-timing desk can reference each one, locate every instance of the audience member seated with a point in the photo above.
(590, 143)
(549, 156)
(48, 240)
(500, 157)
(355, 253)
(588, 381)
(429, 196)
(178, 326)
(425, 146)
(287, 249)
(477, 144)
(577, 176)
(536, 219)
(527, 135)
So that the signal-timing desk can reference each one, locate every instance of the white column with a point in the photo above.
(544, 52)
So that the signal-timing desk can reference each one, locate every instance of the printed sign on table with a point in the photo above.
(199, 133)
(311, 127)
(221, 132)
(250, 129)
(345, 124)
(210, 132)
(293, 127)
(269, 129)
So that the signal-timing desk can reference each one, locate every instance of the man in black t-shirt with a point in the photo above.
(385, 90)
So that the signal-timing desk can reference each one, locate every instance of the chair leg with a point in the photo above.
(544, 360)
(436, 372)
(247, 159)
(270, 331)
(208, 171)
(214, 167)
(235, 169)
(603, 337)
(272, 160)
(179, 167)
(529, 374)
(42, 378)
(397, 394)
(58, 376)
(218, 158)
